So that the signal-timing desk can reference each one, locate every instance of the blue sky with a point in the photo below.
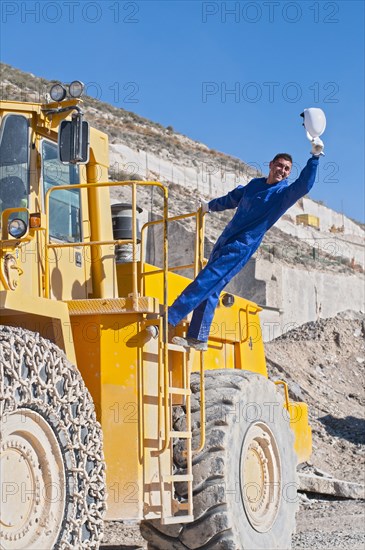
(235, 75)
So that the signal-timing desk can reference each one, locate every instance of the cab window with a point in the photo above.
(14, 159)
(64, 205)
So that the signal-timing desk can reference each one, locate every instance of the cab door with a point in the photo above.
(67, 219)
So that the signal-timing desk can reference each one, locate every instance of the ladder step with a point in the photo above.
(176, 347)
(183, 435)
(183, 506)
(181, 477)
(179, 391)
(177, 519)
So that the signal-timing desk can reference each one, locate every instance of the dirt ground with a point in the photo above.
(321, 525)
(323, 363)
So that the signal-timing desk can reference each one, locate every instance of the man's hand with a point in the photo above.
(204, 205)
(317, 147)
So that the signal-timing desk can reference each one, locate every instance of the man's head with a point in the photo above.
(280, 167)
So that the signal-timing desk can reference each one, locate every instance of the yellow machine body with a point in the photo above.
(74, 293)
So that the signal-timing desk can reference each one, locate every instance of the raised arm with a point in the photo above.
(303, 184)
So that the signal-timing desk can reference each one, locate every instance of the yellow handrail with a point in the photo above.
(199, 244)
(286, 392)
(134, 276)
(174, 268)
(249, 309)
(197, 265)
(132, 183)
(202, 406)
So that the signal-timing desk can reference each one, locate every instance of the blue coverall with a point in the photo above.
(259, 205)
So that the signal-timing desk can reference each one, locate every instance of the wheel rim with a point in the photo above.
(260, 477)
(33, 482)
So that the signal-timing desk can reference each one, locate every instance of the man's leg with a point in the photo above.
(211, 280)
(202, 318)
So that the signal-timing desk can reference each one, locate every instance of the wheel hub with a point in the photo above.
(260, 477)
(20, 486)
(32, 482)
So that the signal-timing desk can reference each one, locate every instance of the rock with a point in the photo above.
(319, 370)
(337, 338)
(330, 486)
(322, 473)
(305, 500)
(351, 315)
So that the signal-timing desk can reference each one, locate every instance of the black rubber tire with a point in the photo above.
(235, 402)
(37, 379)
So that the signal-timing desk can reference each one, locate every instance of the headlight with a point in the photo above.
(57, 92)
(76, 88)
(17, 228)
(228, 300)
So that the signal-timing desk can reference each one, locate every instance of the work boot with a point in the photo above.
(187, 342)
(152, 330)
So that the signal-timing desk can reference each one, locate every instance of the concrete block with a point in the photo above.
(329, 486)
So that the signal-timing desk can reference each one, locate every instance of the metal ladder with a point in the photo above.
(169, 505)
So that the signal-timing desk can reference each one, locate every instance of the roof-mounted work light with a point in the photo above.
(57, 92)
(76, 89)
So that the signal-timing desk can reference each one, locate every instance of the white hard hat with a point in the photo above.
(314, 121)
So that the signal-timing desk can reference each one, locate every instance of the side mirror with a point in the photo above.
(73, 140)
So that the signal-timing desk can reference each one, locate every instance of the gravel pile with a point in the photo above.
(323, 363)
(327, 524)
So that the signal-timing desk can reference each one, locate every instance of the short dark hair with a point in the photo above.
(284, 156)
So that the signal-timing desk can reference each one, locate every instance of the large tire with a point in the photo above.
(52, 467)
(245, 479)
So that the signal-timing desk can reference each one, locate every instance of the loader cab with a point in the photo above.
(44, 147)
(59, 164)
(16, 176)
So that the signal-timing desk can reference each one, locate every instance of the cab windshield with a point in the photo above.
(14, 162)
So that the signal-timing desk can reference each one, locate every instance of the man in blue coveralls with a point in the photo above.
(259, 205)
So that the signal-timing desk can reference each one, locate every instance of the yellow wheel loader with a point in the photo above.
(101, 417)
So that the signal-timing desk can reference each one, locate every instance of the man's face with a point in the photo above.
(279, 170)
